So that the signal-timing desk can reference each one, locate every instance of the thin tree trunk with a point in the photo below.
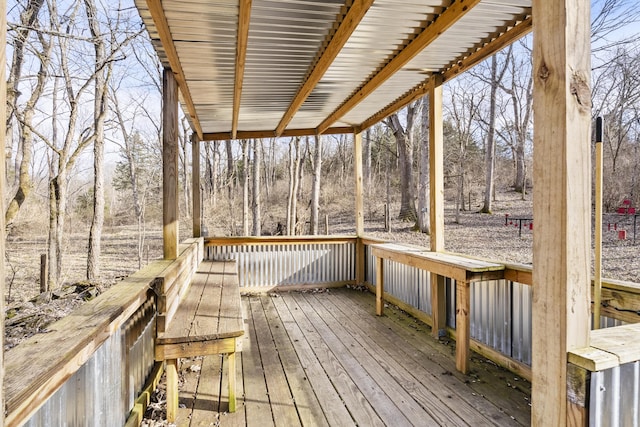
(404, 141)
(99, 113)
(490, 147)
(315, 187)
(256, 205)
(367, 162)
(424, 195)
(245, 187)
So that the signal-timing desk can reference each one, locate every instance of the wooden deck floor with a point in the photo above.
(325, 359)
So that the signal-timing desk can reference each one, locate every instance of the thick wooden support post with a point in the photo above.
(3, 119)
(578, 384)
(359, 207)
(561, 200)
(436, 200)
(231, 361)
(379, 286)
(463, 325)
(438, 306)
(169, 165)
(172, 389)
(195, 184)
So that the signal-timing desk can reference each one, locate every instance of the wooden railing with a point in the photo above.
(89, 367)
(116, 321)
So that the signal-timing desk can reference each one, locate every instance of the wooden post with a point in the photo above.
(578, 384)
(326, 224)
(172, 389)
(195, 178)
(436, 200)
(597, 282)
(561, 200)
(169, 164)
(44, 273)
(379, 286)
(231, 360)
(463, 325)
(3, 119)
(359, 208)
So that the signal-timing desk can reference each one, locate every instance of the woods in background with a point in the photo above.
(84, 138)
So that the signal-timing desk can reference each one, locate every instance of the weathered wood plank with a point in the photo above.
(307, 404)
(208, 392)
(257, 408)
(169, 164)
(332, 405)
(280, 398)
(370, 379)
(354, 398)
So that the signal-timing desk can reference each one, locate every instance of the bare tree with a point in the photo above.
(316, 165)
(294, 174)
(256, 206)
(424, 193)
(405, 143)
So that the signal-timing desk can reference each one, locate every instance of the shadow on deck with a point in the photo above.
(326, 359)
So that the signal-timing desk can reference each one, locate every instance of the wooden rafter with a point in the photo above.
(220, 136)
(346, 27)
(244, 16)
(445, 20)
(162, 26)
(510, 36)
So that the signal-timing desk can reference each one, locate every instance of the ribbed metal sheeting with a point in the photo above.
(615, 396)
(289, 264)
(103, 390)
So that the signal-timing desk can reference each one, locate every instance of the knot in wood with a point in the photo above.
(581, 91)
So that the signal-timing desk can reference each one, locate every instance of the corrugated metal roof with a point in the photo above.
(287, 38)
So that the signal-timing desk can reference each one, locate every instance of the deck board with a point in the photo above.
(326, 359)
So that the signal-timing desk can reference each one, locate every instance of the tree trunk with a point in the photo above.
(404, 141)
(490, 147)
(294, 166)
(520, 167)
(367, 162)
(315, 187)
(99, 113)
(245, 187)
(424, 195)
(256, 206)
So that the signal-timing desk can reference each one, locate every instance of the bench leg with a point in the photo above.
(172, 389)
(231, 360)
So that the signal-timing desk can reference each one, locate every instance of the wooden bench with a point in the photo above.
(207, 321)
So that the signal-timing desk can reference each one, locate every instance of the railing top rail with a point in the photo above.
(37, 367)
(275, 240)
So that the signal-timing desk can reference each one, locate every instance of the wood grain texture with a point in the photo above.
(244, 17)
(195, 185)
(169, 165)
(3, 119)
(561, 199)
(436, 165)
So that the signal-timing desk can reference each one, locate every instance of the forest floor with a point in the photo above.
(476, 234)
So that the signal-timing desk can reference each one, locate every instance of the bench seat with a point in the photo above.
(208, 321)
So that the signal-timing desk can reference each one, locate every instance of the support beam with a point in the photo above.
(444, 21)
(169, 165)
(510, 35)
(244, 17)
(261, 134)
(561, 200)
(436, 203)
(162, 26)
(359, 206)
(346, 27)
(3, 119)
(195, 184)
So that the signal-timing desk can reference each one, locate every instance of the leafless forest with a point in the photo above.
(84, 167)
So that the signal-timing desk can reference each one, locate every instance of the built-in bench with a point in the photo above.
(200, 317)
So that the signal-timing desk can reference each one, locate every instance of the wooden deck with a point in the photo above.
(326, 359)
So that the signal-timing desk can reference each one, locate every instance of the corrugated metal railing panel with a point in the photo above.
(102, 391)
(521, 322)
(615, 396)
(491, 314)
(289, 264)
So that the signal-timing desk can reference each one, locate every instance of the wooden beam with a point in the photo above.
(561, 200)
(445, 20)
(244, 17)
(260, 134)
(162, 26)
(3, 119)
(509, 36)
(359, 207)
(346, 27)
(436, 203)
(195, 184)
(169, 165)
